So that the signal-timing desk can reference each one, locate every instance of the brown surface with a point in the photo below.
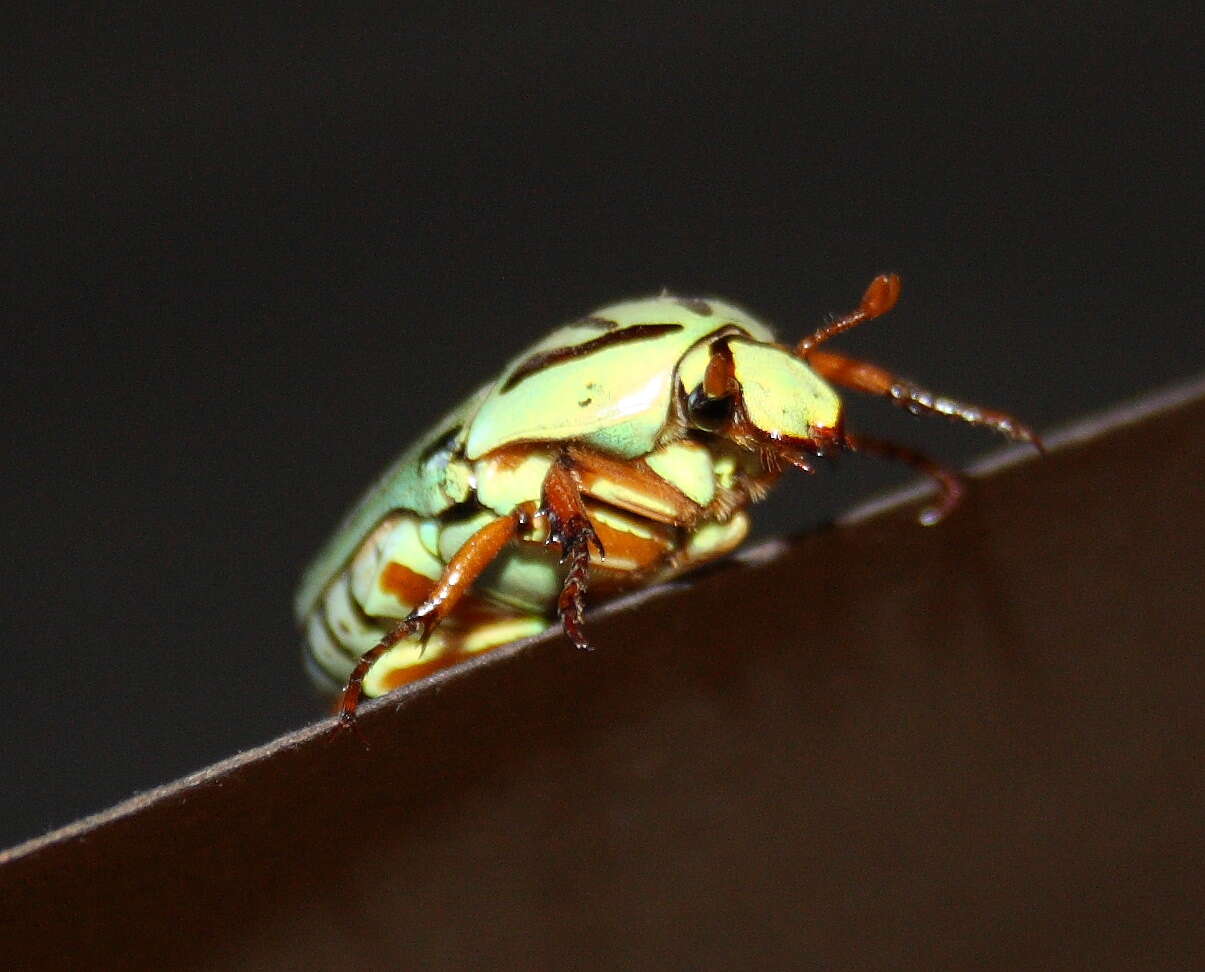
(885, 746)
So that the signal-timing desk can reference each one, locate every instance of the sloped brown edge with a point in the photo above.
(220, 864)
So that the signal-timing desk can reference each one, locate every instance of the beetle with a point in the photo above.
(619, 451)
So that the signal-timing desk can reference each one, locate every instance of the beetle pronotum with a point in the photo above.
(629, 442)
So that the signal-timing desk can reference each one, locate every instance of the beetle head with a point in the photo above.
(762, 397)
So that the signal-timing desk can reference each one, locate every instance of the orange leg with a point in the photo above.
(950, 483)
(577, 471)
(870, 378)
(643, 492)
(852, 374)
(571, 528)
(863, 376)
(465, 567)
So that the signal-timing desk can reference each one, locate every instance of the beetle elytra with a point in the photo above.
(619, 451)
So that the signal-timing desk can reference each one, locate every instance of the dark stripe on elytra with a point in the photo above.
(546, 359)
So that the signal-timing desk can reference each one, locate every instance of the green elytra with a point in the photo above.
(609, 383)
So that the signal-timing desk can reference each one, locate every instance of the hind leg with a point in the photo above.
(478, 552)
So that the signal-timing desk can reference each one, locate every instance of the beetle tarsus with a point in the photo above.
(347, 722)
(950, 484)
(572, 529)
(920, 401)
(577, 531)
(572, 600)
(354, 689)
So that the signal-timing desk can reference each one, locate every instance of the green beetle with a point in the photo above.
(617, 452)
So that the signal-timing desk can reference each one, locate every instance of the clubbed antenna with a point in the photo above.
(879, 298)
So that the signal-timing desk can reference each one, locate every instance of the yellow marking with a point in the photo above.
(781, 394)
(384, 675)
(506, 479)
(687, 466)
(488, 636)
(626, 497)
(616, 520)
(715, 539)
(403, 545)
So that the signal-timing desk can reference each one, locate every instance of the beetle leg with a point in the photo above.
(571, 528)
(863, 376)
(571, 602)
(458, 576)
(949, 483)
(630, 485)
(870, 378)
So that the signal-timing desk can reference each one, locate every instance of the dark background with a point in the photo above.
(250, 259)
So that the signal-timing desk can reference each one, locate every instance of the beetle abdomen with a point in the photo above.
(392, 572)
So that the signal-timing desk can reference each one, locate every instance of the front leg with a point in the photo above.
(571, 528)
(863, 376)
(950, 485)
(873, 380)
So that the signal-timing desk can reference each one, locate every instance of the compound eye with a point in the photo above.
(706, 413)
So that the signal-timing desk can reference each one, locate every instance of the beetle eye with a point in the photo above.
(708, 414)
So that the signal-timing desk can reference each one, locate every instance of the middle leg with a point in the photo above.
(950, 485)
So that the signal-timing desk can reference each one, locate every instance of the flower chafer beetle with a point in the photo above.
(619, 451)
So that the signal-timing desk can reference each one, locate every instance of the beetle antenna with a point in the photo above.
(879, 298)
